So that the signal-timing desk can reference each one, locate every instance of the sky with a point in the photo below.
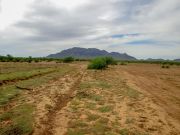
(141, 28)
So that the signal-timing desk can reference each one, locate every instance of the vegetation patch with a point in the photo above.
(92, 117)
(77, 124)
(35, 82)
(132, 93)
(7, 93)
(100, 63)
(95, 84)
(68, 59)
(22, 120)
(123, 63)
(105, 109)
(24, 74)
(129, 120)
(124, 131)
(165, 66)
(91, 106)
(75, 132)
(103, 120)
(88, 95)
(99, 128)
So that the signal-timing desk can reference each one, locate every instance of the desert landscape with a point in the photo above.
(89, 67)
(49, 98)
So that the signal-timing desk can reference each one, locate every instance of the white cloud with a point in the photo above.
(12, 11)
(40, 27)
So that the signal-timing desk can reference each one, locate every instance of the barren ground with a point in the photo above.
(133, 99)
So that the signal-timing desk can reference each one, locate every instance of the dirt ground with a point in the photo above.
(161, 85)
(132, 99)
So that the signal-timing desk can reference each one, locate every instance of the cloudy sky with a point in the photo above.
(141, 28)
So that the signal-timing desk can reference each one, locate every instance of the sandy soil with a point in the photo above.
(128, 100)
(161, 85)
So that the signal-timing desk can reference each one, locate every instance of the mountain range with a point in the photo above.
(88, 53)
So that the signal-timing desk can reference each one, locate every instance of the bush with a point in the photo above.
(68, 59)
(123, 63)
(110, 61)
(165, 66)
(101, 63)
(29, 60)
(98, 63)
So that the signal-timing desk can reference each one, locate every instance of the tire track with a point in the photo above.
(60, 102)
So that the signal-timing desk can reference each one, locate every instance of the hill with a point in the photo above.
(177, 60)
(88, 53)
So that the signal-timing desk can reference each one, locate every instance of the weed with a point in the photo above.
(74, 108)
(92, 117)
(75, 102)
(124, 131)
(7, 93)
(129, 120)
(91, 106)
(103, 84)
(99, 128)
(22, 119)
(74, 132)
(77, 124)
(131, 93)
(48, 107)
(110, 133)
(105, 109)
(24, 74)
(123, 63)
(103, 120)
(11, 130)
(93, 84)
(91, 96)
(95, 97)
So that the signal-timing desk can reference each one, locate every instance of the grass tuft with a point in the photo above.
(22, 120)
(105, 109)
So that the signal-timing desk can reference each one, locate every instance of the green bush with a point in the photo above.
(110, 61)
(98, 63)
(123, 63)
(165, 66)
(101, 63)
(68, 59)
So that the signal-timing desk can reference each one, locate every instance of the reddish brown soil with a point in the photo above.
(161, 85)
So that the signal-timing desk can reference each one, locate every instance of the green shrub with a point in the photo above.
(110, 61)
(98, 63)
(123, 63)
(165, 66)
(101, 63)
(68, 59)
(29, 60)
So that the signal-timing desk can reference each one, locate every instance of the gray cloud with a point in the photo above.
(94, 24)
(48, 22)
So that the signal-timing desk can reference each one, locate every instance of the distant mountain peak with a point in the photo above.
(88, 53)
